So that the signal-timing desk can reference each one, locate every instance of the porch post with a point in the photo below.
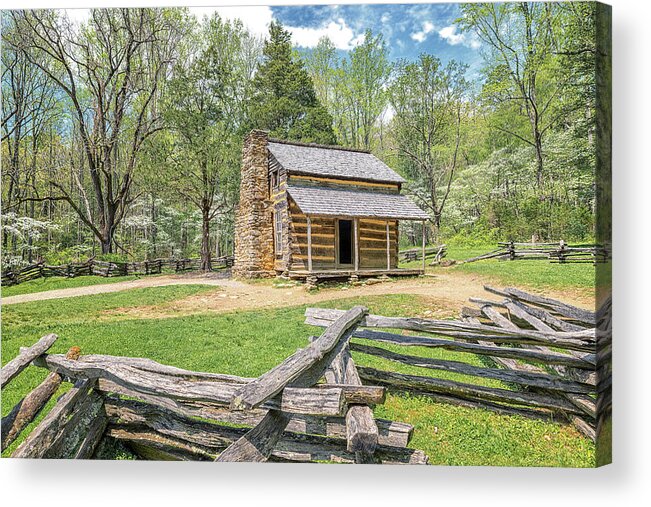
(355, 233)
(388, 249)
(309, 243)
(423, 247)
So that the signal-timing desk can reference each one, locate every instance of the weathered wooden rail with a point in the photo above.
(107, 269)
(559, 253)
(436, 253)
(317, 405)
(543, 350)
(164, 412)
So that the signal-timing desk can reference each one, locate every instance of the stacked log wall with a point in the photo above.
(322, 237)
(373, 243)
(372, 236)
(278, 196)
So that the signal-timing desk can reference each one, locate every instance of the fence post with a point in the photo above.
(511, 250)
(561, 252)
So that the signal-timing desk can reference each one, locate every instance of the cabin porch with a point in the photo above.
(333, 274)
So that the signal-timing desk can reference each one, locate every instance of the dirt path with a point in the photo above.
(450, 289)
(154, 281)
(449, 292)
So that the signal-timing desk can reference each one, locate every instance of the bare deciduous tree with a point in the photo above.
(110, 69)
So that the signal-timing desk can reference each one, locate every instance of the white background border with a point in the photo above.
(626, 482)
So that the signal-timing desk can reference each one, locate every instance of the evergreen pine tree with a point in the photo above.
(284, 100)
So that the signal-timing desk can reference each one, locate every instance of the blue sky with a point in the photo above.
(409, 29)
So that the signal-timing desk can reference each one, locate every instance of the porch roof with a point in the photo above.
(354, 203)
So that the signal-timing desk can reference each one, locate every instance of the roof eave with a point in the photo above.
(371, 217)
(347, 178)
(344, 215)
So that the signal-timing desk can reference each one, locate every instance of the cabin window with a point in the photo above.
(278, 230)
(275, 179)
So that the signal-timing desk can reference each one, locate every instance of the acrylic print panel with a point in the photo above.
(371, 234)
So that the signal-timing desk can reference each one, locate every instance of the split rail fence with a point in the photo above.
(107, 269)
(559, 253)
(552, 358)
(163, 412)
(543, 350)
(436, 253)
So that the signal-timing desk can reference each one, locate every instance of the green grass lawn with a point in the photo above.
(532, 273)
(60, 282)
(250, 343)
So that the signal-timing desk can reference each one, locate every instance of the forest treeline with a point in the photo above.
(121, 136)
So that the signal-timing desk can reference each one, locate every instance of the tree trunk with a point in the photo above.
(32, 204)
(107, 244)
(437, 221)
(154, 230)
(7, 203)
(411, 234)
(539, 157)
(107, 219)
(205, 240)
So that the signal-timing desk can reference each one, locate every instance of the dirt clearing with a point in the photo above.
(449, 291)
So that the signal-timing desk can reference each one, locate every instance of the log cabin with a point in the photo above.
(311, 211)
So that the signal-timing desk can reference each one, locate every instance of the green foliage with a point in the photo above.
(429, 104)
(499, 199)
(478, 236)
(206, 111)
(523, 71)
(507, 155)
(538, 102)
(284, 100)
(353, 88)
(110, 108)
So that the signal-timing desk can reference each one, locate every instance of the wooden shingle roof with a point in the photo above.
(354, 203)
(331, 162)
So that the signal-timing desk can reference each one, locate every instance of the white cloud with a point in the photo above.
(428, 28)
(256, 18)
(78, 16)
(341, 35)
(450, 34)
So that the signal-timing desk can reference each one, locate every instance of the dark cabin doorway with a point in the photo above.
(345, 233)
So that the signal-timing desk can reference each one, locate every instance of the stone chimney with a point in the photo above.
(254, 243)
